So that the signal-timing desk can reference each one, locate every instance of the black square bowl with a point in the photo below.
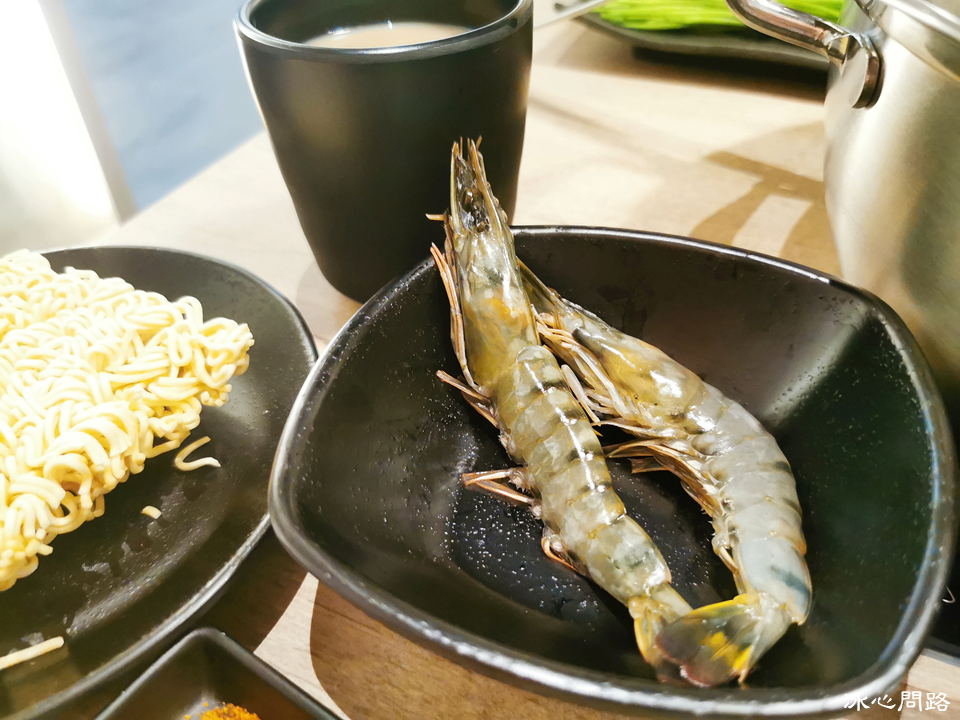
(206, 670)
(366, 488)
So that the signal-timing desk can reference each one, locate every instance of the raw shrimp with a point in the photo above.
(725, 460)
(517, 384)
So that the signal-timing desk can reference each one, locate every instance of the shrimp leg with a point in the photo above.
(477, 401)
(487, 482)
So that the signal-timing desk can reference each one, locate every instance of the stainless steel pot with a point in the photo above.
(892, 170)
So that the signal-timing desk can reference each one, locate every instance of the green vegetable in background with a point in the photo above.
(677, 14)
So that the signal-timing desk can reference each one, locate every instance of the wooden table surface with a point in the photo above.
(716, 153)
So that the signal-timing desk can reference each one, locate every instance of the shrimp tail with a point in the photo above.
(650, 615)
(719, 642)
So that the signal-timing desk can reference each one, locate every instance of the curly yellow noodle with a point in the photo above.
(95, 378)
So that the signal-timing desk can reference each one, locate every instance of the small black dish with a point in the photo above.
(206, 670)
(366, 489)
(123, 586)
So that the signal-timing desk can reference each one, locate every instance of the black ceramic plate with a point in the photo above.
(121, 586)
(207, 670)
(746, 44)
(366, 489)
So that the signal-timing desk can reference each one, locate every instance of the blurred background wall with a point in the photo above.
(52, 190)
(108, 105)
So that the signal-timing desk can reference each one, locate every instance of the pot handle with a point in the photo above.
(854, 54)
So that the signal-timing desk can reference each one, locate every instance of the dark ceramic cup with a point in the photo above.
(363, 136)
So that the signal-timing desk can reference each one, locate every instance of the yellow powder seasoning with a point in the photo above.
(229, 712)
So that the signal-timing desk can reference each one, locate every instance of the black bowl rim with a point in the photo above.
(218, 583)
(577, 684)
(213, 636)
(506, 24)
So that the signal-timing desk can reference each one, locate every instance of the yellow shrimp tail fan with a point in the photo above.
(650, 615)
(719, 642)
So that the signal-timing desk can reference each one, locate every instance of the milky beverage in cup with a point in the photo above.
(386, 34)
